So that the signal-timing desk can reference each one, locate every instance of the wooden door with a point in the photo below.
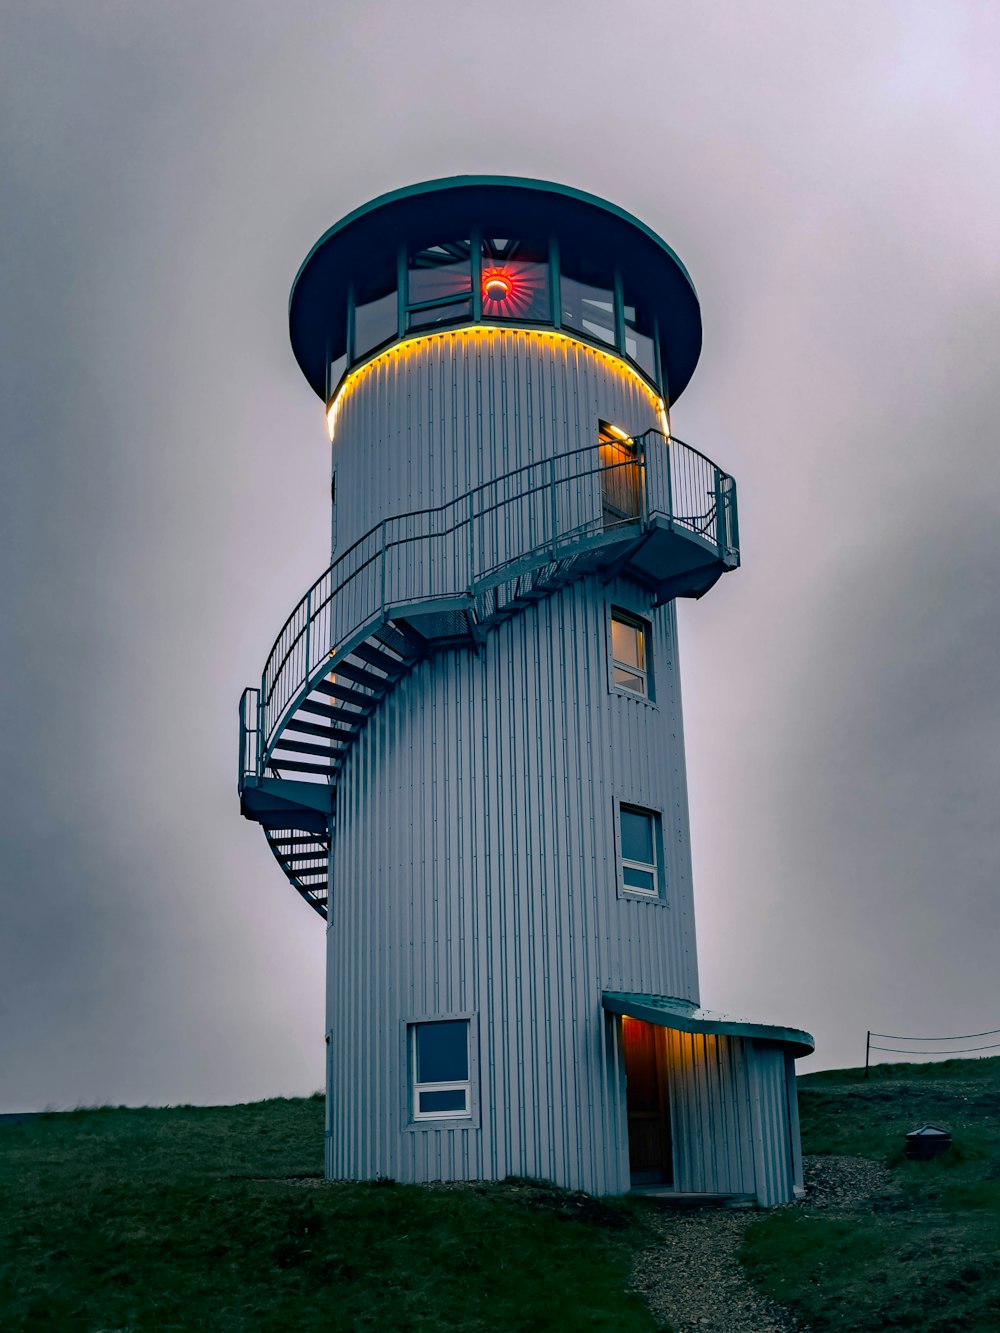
(650, 1148)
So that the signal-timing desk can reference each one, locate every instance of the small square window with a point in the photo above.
(439, 1069)
(641, 850)
(630, 654)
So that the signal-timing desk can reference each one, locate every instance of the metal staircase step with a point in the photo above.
(304, 841)
(296, 857)
(377, 657)
(306, 747)
(354, 720)
(316, 729)
(377, 684)
(414, 640)
(409, 645)
(294, 766)
(342, 692)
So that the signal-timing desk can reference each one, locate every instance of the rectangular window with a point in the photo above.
(439, 1070)
(630, 654)
(641, 850)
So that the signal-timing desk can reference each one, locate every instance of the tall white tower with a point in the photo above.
(466, 748)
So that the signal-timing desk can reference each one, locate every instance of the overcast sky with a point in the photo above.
(828, 172)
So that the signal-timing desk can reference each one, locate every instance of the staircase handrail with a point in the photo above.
(694, 471)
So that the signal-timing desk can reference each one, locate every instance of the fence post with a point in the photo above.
(640, 447)
(868, 1047)
(472, 543)
(733, 517)
(382, 603)
(552, 504)
(720, 514)
(670, 477)
(308, 632)
(259, 756)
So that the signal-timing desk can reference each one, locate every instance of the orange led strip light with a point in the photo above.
(410, 345)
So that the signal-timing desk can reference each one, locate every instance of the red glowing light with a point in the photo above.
(497, 284)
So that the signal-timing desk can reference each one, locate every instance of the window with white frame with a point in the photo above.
(630, 665)
(439, 1069)
(641, 855)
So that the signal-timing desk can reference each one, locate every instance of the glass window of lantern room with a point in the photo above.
(376, 315)
(515, 280)
(630, 664)
(640, 332)
(439, 1069)
(587, 291)
(439, 284)
(641, 850)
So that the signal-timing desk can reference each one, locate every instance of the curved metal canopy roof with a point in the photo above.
(683, 1016)
(505, 205)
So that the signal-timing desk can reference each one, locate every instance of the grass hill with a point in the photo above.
(925, 1255)
(193, 1218)
(214, 1218)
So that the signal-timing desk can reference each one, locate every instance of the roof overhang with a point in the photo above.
(452, 207)
(683, 1016)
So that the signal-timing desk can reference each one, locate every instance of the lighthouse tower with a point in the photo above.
(466, 748)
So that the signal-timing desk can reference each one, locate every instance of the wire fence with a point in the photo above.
(929, 1046)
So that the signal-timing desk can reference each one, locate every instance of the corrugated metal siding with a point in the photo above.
(710, 1114)
(794, 1131)
(437, 416)
(474, 870)
(729, 1107)
(771, 1129)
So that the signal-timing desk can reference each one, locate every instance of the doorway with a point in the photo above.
(647, 1100)
(621, 483)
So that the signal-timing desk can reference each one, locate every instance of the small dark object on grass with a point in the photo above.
(927, 1142)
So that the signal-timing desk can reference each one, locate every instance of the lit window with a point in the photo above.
(629, 654)
(439, 1069)
(641, 852)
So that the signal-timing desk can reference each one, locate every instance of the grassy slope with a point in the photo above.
(158, 1219)
(927, 1256)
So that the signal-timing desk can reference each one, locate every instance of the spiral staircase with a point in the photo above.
(651, 508)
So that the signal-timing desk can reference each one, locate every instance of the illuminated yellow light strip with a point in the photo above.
(409, 345)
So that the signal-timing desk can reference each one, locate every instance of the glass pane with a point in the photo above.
(440, 272)
(625, 680)
(637, 837)
(642, 880)
(337, 368)
(589, 309)
(451, 1100)
(515, 278)
(442, 1052)
(640, 349)
(639, 344)
(374, 323)
(627, 644)
(440, 314)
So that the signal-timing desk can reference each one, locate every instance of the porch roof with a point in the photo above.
(684, 1016)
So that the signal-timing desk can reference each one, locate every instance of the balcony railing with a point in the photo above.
(592, 496)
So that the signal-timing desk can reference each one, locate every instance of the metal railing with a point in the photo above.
(535, 513)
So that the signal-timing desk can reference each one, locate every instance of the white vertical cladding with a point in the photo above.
(730, 1112)
(474, 871)
(710, 1113)
(794, 1129)
(772, 1135)
(432, 417)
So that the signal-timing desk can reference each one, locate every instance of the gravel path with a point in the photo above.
(691, 1278)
